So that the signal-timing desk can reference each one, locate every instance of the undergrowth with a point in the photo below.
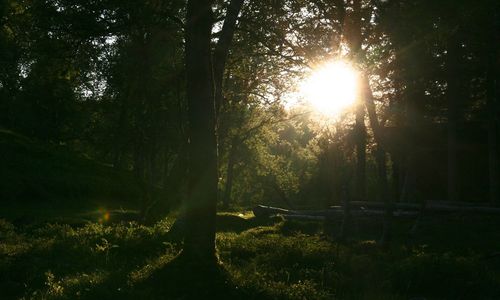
(260, 259)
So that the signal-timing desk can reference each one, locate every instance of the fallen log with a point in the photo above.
(370, 212)
(269, 211)
(304, 217)
(432, 206)
(365, 208)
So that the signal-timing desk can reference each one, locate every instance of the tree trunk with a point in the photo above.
(396, 178)
(492, 105)
(413, 105)
(360, 153)
(221, 51)
(173, 180)
(493, 151)
(220, 55)
(139, 159)
(230, 172)
(119, 135)
(352, 32)
(199, 240)
(453, 97)
(382, 175)
(380, 157)
(346, 220)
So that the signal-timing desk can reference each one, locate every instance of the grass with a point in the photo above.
(260, 259)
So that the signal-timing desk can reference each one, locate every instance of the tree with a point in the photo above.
(493, 102)
(199, 242)
(354, 39)
(201, 203)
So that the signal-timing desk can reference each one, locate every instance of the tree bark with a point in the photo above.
(352, 32)
(413, 95)
(493, 149)
(493, 110)
(396, 178)
(380, 158)
(453, 97)
(199, 240)
(346, 220)
(221, 50)
(230, 172)
(360, 153)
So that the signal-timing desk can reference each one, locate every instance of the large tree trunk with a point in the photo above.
(199, 240)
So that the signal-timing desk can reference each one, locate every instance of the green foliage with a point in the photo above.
(263, 260)
(423, 273)
(282, 262)
(275, 157)
(268, 259)
(62, 262)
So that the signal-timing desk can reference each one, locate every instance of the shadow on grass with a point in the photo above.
(181, 278)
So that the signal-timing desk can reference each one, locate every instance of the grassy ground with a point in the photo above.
(452, 257)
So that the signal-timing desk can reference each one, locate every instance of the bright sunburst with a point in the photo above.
(331, 88)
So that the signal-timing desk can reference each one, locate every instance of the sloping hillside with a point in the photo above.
(35, 174)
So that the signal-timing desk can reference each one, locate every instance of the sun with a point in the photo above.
(331, 88)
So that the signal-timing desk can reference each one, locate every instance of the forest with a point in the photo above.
(249, 149)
